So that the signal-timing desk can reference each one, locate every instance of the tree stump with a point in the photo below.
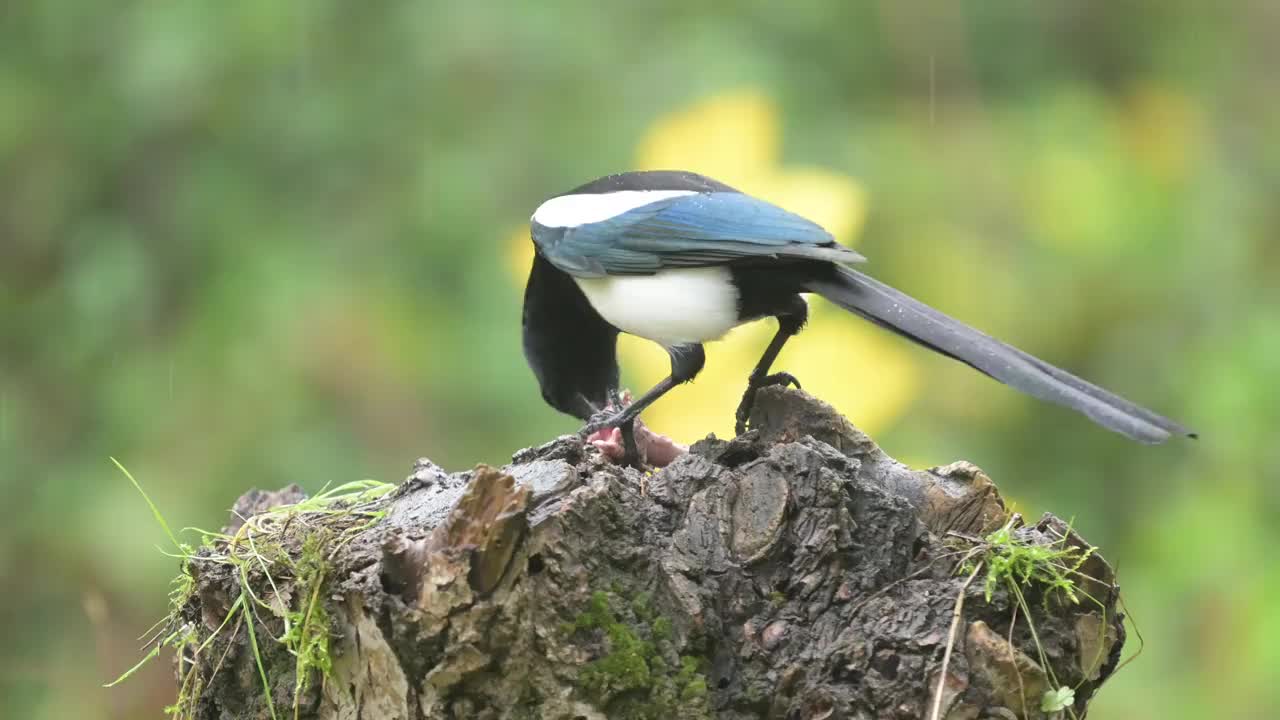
(794, 572)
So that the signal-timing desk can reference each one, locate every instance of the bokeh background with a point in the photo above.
(246, 244)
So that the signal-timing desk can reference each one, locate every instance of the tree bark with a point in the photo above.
(794, 572)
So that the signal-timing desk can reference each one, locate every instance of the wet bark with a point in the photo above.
(794, 572)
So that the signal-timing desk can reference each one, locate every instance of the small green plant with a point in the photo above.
(166, 632)
(1057, 700)
(1015, 562)
(264, 548)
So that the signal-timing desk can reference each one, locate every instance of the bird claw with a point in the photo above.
(601, 420)
(608, 417)
(749, 397)
(779, 378)
(636, 449)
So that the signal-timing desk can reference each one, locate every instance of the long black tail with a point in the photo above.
(920, 323)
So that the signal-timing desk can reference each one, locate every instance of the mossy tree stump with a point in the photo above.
(794, 572)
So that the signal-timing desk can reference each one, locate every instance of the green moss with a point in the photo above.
(692, 683)
(308, 634)
(636, 678)
(624, 668)
(597, 614)
(661, 629)
(640, 605)
(1015, 563)
(695, 690)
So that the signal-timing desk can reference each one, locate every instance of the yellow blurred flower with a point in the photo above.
(1163, 129)
(735, 138)
(520, 254)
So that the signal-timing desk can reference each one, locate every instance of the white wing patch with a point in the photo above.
(575, 210)
(671, 307)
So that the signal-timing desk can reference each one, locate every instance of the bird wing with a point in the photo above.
(695, 230)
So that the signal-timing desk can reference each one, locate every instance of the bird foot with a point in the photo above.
(612, 432)
(602, 420)
(749, 397)
(610, 417)
(639, 447)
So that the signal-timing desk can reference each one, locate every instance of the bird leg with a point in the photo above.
(630, 450)
(686, 362)
(609, 417)
(649, 447)
(789, 323)
(625, 422)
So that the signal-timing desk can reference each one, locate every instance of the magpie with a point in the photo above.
(681, 259)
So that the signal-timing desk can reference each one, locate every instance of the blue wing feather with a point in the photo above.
(713, 217)
(688, 231)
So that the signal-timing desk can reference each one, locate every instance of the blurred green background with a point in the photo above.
(244, 244)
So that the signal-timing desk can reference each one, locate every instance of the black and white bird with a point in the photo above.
(681, 259)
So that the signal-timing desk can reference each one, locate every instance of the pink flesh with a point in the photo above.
(656, 450)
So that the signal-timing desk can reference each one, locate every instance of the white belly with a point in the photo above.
(672, 307)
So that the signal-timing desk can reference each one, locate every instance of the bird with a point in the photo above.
(680, 259)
